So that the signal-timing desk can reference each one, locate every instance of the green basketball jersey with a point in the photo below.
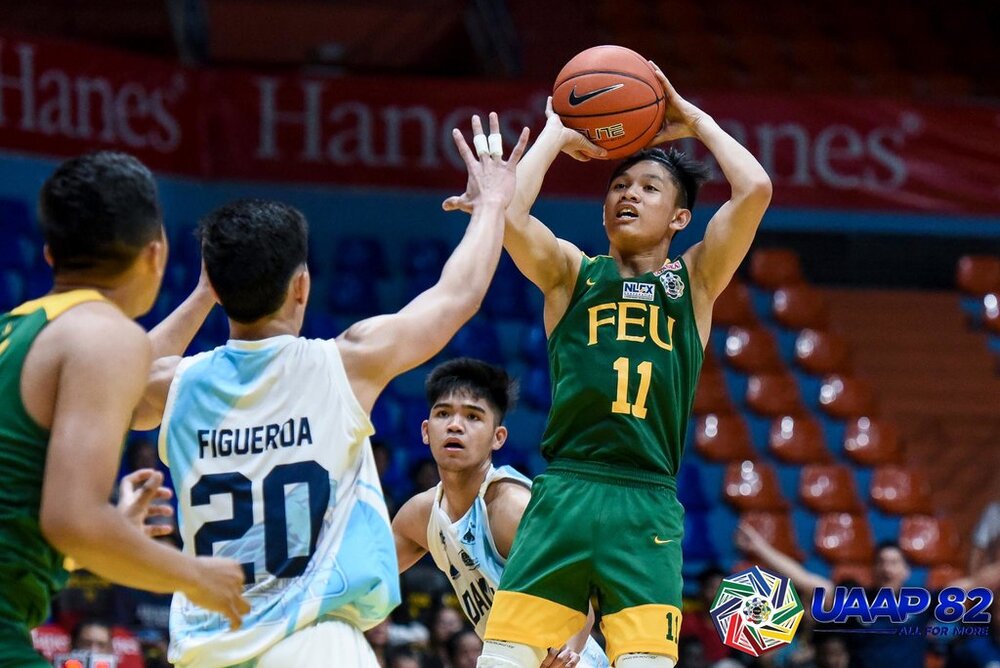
(624, 362)
(31, 570)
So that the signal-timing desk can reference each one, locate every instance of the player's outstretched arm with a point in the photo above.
(731, 230)
(409, 529)
(169, 340)
(103, 361)
(172, 336)
(756, 546)
(378, 349)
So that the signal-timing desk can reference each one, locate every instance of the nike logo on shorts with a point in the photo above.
(656, 539)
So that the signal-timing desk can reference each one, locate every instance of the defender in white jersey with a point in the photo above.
(267, 436)
(467, 522)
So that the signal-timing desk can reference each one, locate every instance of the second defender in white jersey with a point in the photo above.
(467, 522)
(268, 435)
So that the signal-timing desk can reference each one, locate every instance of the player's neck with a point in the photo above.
(634, 264)
(262, 329)
(461, 489)
(119, 293)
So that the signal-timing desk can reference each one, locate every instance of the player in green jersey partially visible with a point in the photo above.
(73, 366)
(626, 336)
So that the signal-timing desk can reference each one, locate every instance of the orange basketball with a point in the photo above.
(610, 94)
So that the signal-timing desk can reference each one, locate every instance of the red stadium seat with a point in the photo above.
(821, 353)
(872, 441)
(991, 312)
(773, 395)
(772, 268)
(777, 529)
(846, 397)
(978, 274)
(828, 488)
(711, 395)
(722, 437)
(943, 575)
(752, 485)
(799, 307)
(752, 350)
(900, 491)
(844, 538)
(929, 541)
(798, 439)
(733, 306)
(855, 574)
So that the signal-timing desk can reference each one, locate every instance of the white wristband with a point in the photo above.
(482, 147)
(496, 145)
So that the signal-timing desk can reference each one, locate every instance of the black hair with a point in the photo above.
(452, 643)
(84, 623)
(478, 379)
(687, 173)
(252, 248)
(890, 544)
(98, 211)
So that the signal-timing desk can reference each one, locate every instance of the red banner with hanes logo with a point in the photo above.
(839, 152)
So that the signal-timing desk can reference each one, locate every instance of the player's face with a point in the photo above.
(640, 206)
(462, 431)
(891, 569)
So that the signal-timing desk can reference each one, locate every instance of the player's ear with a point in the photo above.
(424, 434)
(681, 219)
(47, 254)
(499, 437)
(301, 284)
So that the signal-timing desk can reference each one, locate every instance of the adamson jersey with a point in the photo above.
(31, 570)
(269, 451)
(465, 551)
(624, 363)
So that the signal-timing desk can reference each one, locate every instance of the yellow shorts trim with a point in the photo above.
(652, 629)
(530, 620)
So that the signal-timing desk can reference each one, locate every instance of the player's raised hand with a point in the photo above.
(749, 539)
(563, 657)
(573, 142)
(140, 496)
(491, 178)
(219, 587)
(681, 118)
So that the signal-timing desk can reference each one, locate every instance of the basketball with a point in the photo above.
(611, 94)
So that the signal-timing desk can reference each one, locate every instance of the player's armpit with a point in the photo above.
(149, 412)
(409, 529)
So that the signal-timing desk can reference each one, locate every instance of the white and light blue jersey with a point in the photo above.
(466, 552)
(268, 449)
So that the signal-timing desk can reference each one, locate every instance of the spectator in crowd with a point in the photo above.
(445, 623)
(92, 635)
(404, 657)
(378, 638)
(464, 647)
(986, 538)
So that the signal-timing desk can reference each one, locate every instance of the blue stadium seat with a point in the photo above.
(11, 289)
(536, 390)
(361, 254)
(534, 345)
(761, 300)
(352, 294)
(833, 432)
(690, 491)
(508, 295)
(385, 418)
(698, 544)
(320, 324)
(15, 216)
(525, 427)
(885, 527)
(478, 339)
(736, 384)
(424, 255)
(809, 387)
(412, 412)
(722, 530)
(804, 524)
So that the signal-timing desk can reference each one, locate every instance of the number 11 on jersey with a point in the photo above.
(621, 404)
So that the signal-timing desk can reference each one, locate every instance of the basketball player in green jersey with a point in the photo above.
(73, 366)
(626, 338)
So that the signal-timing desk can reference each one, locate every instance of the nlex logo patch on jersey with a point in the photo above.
(641, 291)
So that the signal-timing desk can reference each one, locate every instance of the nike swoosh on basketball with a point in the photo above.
(575, 100)
(656, 539)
